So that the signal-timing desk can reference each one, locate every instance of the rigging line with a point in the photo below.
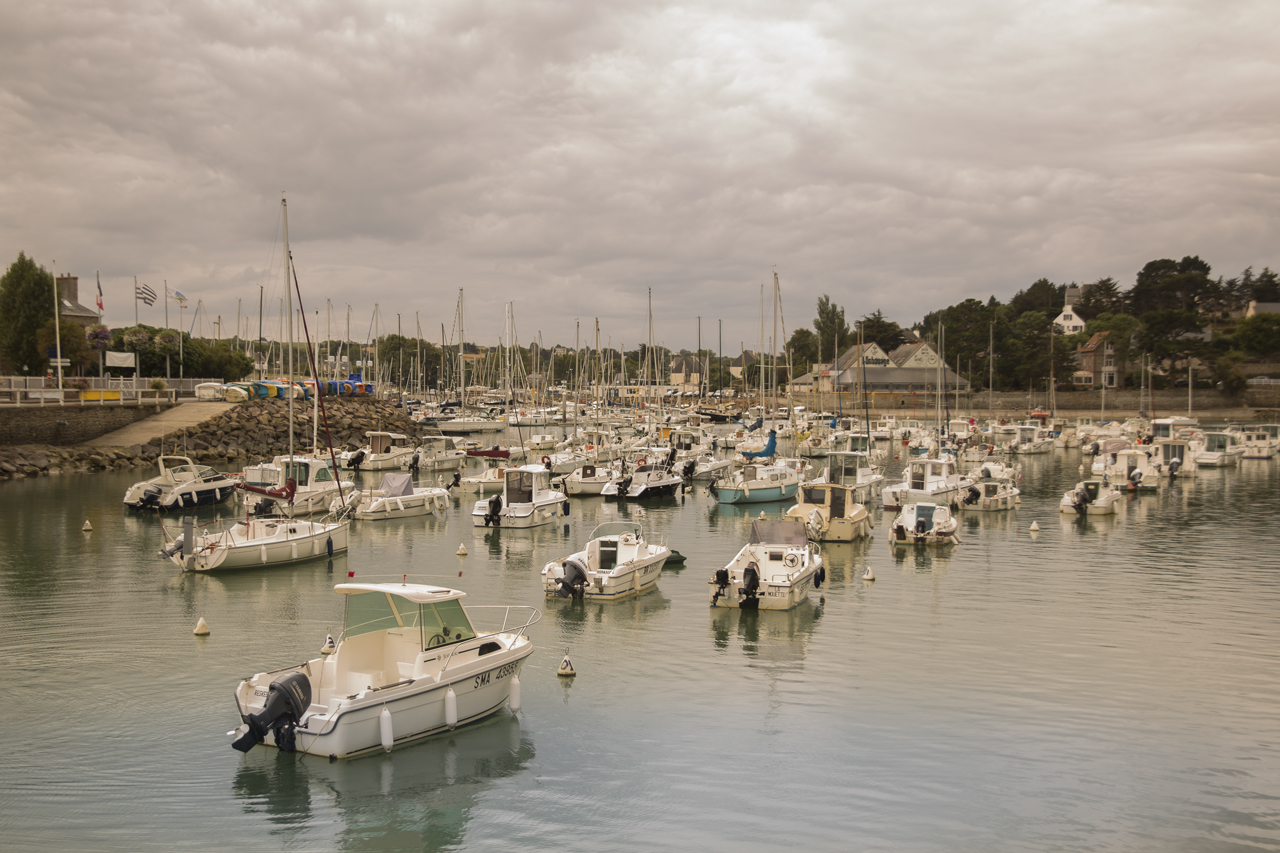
(319, 396)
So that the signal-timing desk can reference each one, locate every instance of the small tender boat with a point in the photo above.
(487, 482)
(395, 498)
(409, 664)
(590, 479)
(774, 570)
(181, 484)
(1134, 468)
(385, 451)
(617, 563)
(831, 512)
(924, 524)
(314, 486)
(1091, 497)
(436, 452)
(527, 500)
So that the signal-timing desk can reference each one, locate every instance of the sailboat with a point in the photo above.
(258, 542)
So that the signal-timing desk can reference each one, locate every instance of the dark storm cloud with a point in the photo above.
(569, 155)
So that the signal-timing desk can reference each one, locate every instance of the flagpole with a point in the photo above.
(168, 372)
(57, 331)
(135, 300)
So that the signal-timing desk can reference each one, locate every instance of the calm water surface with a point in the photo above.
(1107, 684)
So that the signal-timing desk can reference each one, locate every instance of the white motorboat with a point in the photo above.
(395, 498)
(1104, 453)
(1220, 450)
(1031, 438)
(487, 482)
(385, 451)
(924, 524)
(928, 480)
(831, 512)
(1091, 497)
(991, 494)
(617, 563)
(858, 470)
(527, 500)
(255, 543)
(181, 484)
(590, 479)
(409, 664)
(435, 452)
(757, 484)
(471, 423)
(705, 468)
(540, 442)
(774, 571)
(648, 480)
(315, 486)
(1134, 468)
(1257, 444)
(1174, 457)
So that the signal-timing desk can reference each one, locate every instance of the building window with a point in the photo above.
(1110, 361)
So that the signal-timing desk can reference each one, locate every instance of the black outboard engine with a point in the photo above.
(1174, 464)
(749, 600)
(1095, 449)
(266, 506)
(574, 580)
(722, 583)
(357, 459)
(986, 473)
(624, 487)
(287, 700)
(150, 497)
(413, 463)
(922, 527)
(971, 496)
(1080, 500)
(494, 515)
(177, 546)
(457, 481)
(689, 468)
(1135, 478)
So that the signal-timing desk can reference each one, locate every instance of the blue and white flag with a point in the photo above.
(179, 298)
(144, 293)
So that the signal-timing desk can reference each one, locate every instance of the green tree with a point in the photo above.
(885, 333)
(1101, 297)
(1170, 335)
(803, 346)
(1259, 335)
(1167, 285)
(1227, 373)
(833, 329)
(1043, 296)
(75, 346)
(26, 304)
(1266, 287)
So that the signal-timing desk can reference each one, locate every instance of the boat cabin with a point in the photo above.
(925, 472)
(854, 443)
(385, 442)
(303, 470)
(833, 496)
(526, 484)
(1219, 442)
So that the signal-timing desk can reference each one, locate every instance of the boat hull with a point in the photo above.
(219, 552)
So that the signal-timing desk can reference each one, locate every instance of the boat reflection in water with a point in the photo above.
(769, 637)
(417, 798)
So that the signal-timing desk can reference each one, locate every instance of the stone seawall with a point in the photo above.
(249, 433)
(61, 426)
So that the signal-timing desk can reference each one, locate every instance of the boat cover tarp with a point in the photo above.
(770, 447)
(779, 531)
(397, 485)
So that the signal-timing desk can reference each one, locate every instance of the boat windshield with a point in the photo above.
(616, 528)
(379, 611)
(784, 531)
(448, 620)
(814, 496)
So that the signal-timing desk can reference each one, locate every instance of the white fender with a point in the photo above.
(384, 726)
(514, 700)
(451, 709)
(262, 553)
(293, 550)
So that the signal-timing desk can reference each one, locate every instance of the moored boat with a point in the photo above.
(924, 524)
(617, 563)
(181, 484)
(774, 571)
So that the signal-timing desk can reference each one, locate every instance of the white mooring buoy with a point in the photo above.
(868, 575)
(462, 550)
(762, 513)
(88, 528)
(1035, 527)
(566, 666)
(202, 628)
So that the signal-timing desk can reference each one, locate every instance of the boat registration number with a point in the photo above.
(501, 672)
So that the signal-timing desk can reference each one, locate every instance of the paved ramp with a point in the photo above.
(150, 429)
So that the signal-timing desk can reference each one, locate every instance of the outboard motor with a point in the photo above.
(1135, 478)
(748, 599)
(574, 580)
(266, 506)
(177, 546)
(986, 473)
(1094, 449)
(624, 487)
(494, 515)
(150, 497)
(287, 700)
(413, 463)
(1174, 464)
(922, 527)
(1080, 500)
(689, 468)
(722, 583)
(971, 496)
(356, 460)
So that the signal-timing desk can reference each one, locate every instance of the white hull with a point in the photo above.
(263, 542)
(519, 516)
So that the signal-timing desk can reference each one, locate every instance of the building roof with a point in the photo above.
(686, 364)
(744, 359)
(1094, 342)
(1263, 308)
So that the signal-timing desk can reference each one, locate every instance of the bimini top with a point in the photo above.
(418, 593)
(779, 531)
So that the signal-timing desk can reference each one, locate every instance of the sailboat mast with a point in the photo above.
(288, 292)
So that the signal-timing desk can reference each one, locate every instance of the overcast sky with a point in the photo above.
(568, 156)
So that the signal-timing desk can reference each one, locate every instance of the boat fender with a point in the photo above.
(451, 709)
(513, 698)
(386, 730)
(820, 577)
(328, 546)
(566, 507)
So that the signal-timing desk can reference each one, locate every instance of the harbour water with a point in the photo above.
(1110, 683)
